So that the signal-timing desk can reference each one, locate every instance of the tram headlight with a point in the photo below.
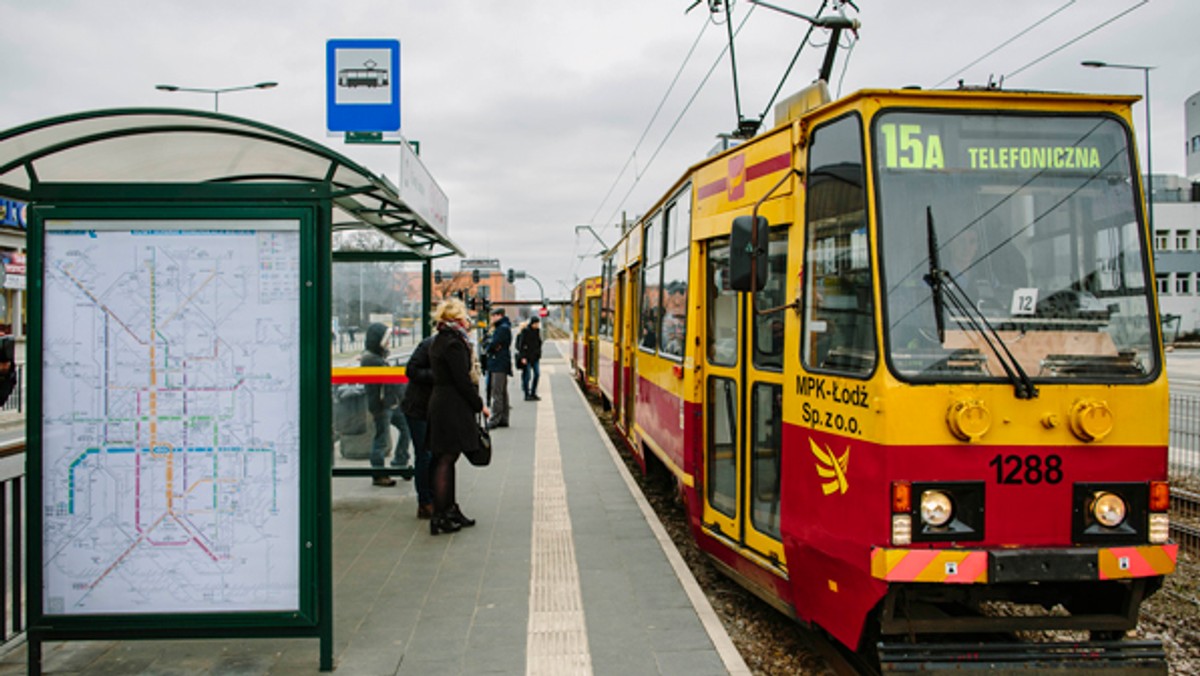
(936, 508)
(1108, 509)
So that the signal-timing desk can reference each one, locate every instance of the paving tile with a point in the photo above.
(406, 602)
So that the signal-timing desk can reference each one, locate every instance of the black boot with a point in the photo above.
(442, 523)
(455, 514)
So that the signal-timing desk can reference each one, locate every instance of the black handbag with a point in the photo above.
(481, 456)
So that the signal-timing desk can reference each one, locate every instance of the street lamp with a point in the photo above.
(1149, 147)
(215, 92)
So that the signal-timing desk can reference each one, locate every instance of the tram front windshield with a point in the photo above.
(1011, 238)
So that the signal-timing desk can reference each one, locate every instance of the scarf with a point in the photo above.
(462, 334)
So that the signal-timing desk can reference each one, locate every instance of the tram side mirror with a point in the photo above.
(748, 261)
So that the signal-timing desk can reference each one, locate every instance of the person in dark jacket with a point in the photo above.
(529, 356)
(499, 367)
(415, 406)
(376, 354)
(453, 405)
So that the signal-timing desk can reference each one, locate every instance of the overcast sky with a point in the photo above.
(529, 111)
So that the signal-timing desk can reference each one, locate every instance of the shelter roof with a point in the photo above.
(167, 145)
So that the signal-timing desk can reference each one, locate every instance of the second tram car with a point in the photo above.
(585, 323)
(901, 355)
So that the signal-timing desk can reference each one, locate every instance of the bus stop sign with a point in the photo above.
(362, 85)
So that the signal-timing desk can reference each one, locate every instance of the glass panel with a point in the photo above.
(385, 292)
(722, 448)
(653, 240)
(675, 272)
(722, 306)
(839, 330)
(607, 301)
(679, 232)
(1036, 228)
(651, 307)
(767, 454)
(768, 328)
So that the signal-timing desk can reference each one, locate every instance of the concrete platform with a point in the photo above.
(567, 572)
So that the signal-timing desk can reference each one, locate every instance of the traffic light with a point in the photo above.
(511, 276)
(437, 276)
(471, 303)
(475, 276)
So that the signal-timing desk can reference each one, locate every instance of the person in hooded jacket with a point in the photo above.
(453, 405)
(378, 405)
(415, 406)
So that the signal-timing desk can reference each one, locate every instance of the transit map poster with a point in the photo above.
(171, 404)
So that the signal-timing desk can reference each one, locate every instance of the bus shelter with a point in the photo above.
(194, 279)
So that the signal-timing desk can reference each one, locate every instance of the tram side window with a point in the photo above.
(722, 306)
(677, 236)
(839, 330)
(722, 445)
(607, 294)
(767, 419)
(651, 285)
(768, 328)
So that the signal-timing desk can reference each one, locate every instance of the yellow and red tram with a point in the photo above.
(585, 327)
(900, 354)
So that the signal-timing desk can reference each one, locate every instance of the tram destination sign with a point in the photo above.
(945, 142)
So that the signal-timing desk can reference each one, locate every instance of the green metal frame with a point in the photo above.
(310, 206)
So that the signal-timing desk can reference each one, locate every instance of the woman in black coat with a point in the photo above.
(453, 407)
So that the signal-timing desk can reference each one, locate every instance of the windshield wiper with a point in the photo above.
(934, 278)
(944, 287)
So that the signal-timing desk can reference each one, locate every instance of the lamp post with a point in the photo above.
(215, 92)
(1149, 147)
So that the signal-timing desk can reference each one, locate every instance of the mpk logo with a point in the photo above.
(831, 468)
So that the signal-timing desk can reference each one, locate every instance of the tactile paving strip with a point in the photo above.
(557, 641)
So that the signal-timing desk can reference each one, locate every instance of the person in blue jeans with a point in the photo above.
(415, 407)
(529, 356)
(400, 458)
(378, 402)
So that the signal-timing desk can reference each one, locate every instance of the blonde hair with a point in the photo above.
(450, 310)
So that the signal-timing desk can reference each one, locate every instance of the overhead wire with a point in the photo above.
(679, 118)
(1077, 38)
(653, 118)
(639, 174)
(846, 65)
(1007, 42)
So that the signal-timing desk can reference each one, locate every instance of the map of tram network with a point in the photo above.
(170, 455)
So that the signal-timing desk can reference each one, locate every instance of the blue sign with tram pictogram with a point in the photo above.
(362, 85)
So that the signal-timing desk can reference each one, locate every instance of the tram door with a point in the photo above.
(591, 325)
(628, 379)
(743, 403)
(618, 337)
